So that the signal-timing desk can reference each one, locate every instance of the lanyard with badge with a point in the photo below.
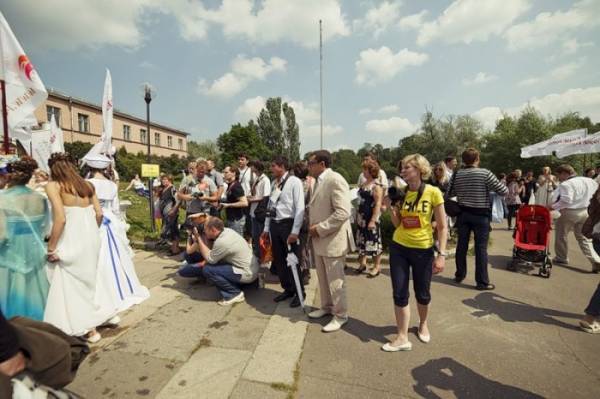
(413, 221)
(275, 196)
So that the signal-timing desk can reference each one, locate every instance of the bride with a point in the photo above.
(118, 285)
(73, 250)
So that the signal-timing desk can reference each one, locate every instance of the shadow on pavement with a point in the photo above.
(511, 310)
(449, 375)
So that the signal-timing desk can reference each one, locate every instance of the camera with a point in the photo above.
(396, 191)
(198, 194)
(270, 213)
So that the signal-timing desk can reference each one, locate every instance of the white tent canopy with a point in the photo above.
(564, 144)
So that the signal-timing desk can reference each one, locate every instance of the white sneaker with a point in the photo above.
(238, 298)
(317, 314)
(388, 347)
(92, 339)
(335, 324)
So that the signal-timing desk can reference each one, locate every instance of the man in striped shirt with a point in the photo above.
(472, 186)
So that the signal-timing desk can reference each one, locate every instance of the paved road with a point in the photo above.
(519, 341)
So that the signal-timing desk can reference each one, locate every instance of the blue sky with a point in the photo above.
(214, 62)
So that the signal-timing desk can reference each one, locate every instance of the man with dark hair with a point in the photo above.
(200, 194)
(228, 264)
(217, 178)
(329, 220)
(451, 163)
(235, 201)
(246, 178)
(472, 186)
(572, 200)
(284, 221)
(259, 200)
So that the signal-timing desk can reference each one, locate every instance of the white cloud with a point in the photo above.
(365, 111)
(548, 27)
(266, 22)
(376, 66)
(571, 46)
(472, 20)
(147, 65)
(585, 101)
(478, 79)
(243, 72)
(378, 19)
(307, 116)
(389, 109)
(414, 21)
(396, 125)
(559, 73)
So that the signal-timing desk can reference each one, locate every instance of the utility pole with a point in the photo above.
(321, 74)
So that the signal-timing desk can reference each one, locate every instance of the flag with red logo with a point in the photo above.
(24, 88)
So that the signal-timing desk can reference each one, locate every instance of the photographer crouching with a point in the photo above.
(225, 260)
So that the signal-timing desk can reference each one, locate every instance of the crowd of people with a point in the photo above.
(66, 260)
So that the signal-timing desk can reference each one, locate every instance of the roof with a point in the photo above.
(63, 96)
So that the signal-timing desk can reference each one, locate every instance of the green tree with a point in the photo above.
(270, 127)
(241, 139)
(78, 149)
(292, 134)
(207, 149)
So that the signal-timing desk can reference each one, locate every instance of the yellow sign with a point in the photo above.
(150, 170)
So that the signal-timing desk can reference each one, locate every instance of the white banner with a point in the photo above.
(557, 141)
(24, 88)
(41, 147)
(585, 145)
(56, 137)
(107, 115)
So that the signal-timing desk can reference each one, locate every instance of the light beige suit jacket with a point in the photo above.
(329, 209)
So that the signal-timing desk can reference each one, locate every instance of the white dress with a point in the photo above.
(70, 305)
(118, 285)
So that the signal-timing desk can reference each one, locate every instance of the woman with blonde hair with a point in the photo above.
(547, 183)
(73, 250)
(412, 247)
(439, 177)
(368, 236)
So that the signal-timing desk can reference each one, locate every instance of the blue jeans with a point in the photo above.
(257, 230)
(466, 223)
(402, 259)
(237, 225)
(223, 277)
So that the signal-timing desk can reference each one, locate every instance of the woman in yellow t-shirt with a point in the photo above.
(412, 248)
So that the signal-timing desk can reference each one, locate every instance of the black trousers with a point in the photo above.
(280, 230)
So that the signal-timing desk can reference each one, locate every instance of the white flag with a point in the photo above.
(24, 88)
(57, 141)
(554, 143)
(41, 147)
(584, 145)
(107, 115)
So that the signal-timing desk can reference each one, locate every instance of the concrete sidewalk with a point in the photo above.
(181, 344)
(518, 341)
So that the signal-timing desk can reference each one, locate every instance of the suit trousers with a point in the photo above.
(332, 284)
(280, 230)
(573, 220)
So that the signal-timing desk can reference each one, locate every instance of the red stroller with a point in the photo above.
(532, 239)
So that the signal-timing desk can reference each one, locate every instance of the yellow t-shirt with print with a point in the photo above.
(422, 235)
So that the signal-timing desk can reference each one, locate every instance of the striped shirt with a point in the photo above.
(472, 186)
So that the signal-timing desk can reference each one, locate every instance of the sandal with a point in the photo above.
(592, 328)
(360, 270)
(373, 274)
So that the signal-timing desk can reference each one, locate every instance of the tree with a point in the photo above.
(278, 129)
(207, 149)
(241, 139)
(292, 134)
(78, 149)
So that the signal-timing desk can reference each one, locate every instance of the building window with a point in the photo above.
(169, 141)
(126, 132)
(156, 138)
(180, 144)
(50, 110)
(84, 123)
(143, 136)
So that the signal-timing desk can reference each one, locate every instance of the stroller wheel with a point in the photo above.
(512, 266)
(545, 272)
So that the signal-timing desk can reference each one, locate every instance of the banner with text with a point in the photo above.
(557, 141)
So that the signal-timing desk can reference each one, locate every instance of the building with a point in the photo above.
(82, 121)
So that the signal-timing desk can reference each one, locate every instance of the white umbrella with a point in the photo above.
(292, 262)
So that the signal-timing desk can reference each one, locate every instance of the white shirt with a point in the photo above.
(381, 179)
(574, 193)
(290, 203)
(262, 190)
(246, 180)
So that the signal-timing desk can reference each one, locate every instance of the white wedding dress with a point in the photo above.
(118, 286)
(70, 305)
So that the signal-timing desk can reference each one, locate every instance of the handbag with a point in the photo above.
(266, 250)
(450, 204)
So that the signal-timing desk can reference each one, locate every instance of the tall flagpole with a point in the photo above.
(321, 74)
(5, 117)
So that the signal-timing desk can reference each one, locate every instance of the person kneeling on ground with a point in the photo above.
(229, 263)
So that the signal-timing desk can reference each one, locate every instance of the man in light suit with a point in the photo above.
(329, 218)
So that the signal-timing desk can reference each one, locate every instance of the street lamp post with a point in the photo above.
(148, 91)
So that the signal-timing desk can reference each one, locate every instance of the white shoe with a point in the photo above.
(238, 298)
(92, 339)
(335, 324)
(317, 314)
(423, 338)
(390, 348)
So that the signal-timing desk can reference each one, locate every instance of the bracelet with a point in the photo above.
(442, 254)
(53, 252)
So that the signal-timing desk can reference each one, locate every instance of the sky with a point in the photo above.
(215, 62)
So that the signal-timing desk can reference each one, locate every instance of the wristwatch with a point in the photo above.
(444, 254)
